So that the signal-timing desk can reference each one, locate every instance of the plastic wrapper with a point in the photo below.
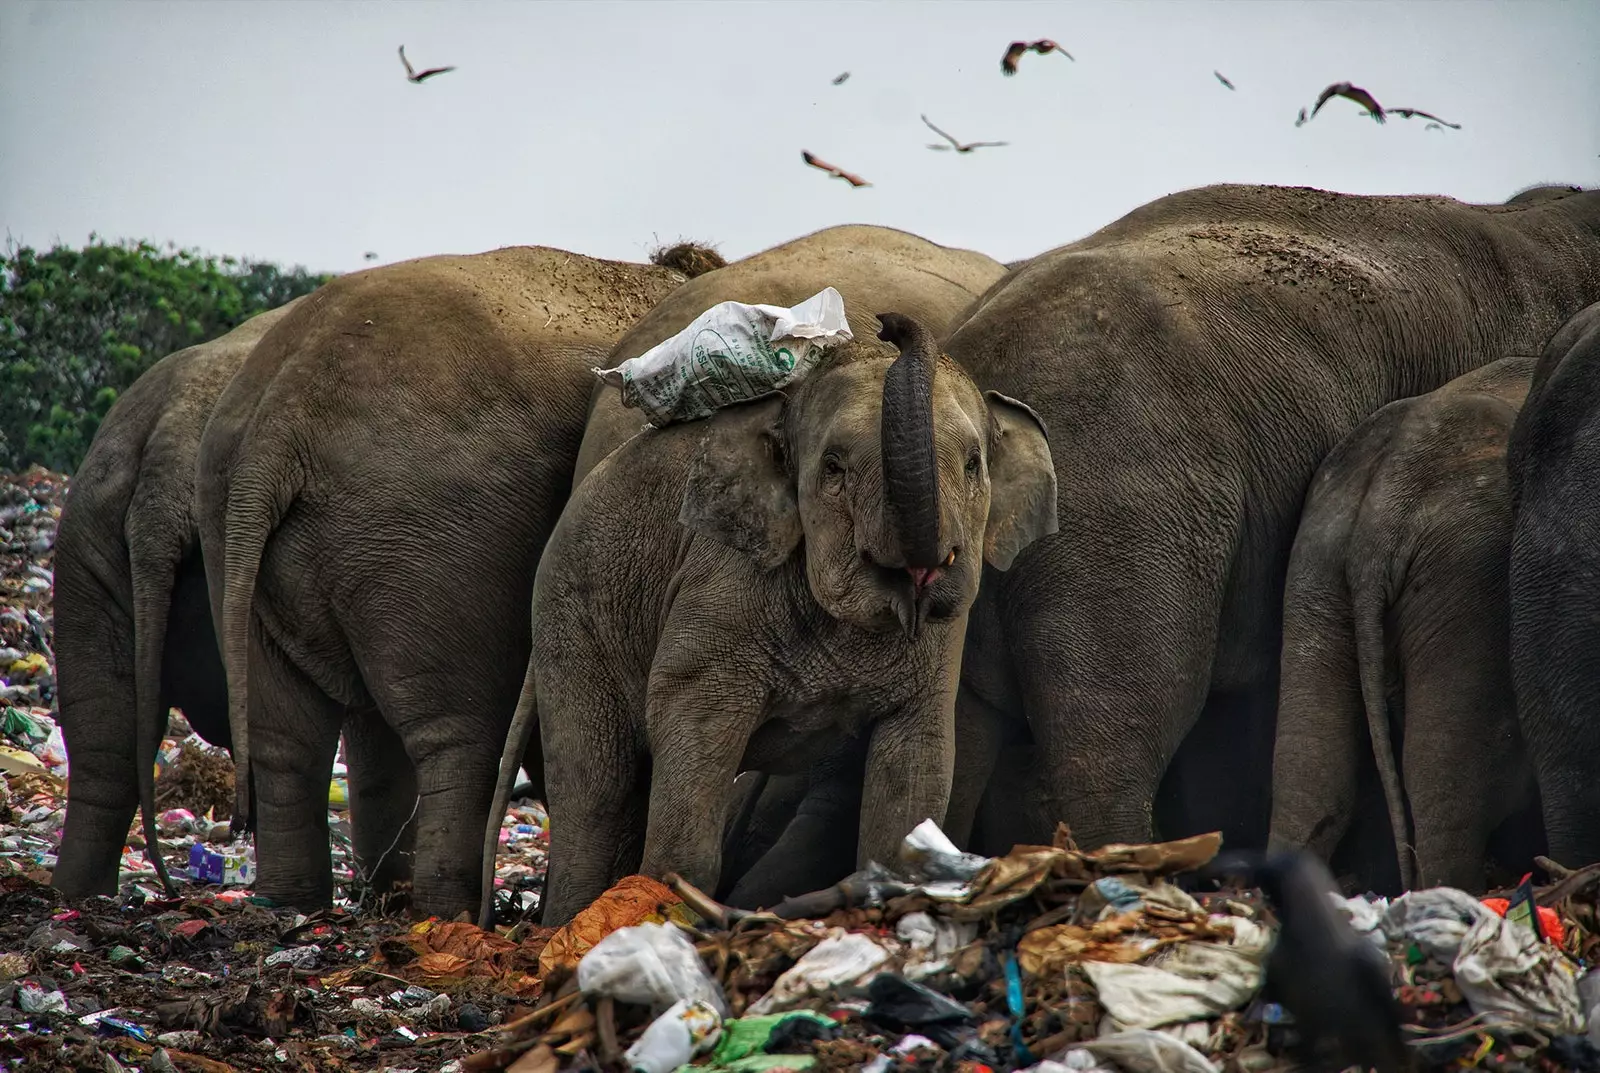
(687, 1028)
(842, 958)
(731, 353)
(631, 900)
(1144, 1051)
(650, 964)
(1506, 971)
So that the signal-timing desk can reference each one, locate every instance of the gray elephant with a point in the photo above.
(873, 268)
(739, 593)
(1195, 361)
(1554, 461)
(1396, 626)
(375, 488)
(133, 633)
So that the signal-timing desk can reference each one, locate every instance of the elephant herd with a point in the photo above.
(1251, 511)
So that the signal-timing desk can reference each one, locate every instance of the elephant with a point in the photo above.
(873, 268)
(133, 632)
(375, 488)
(1554, 464)
(1397, 624)
(739, 593)
(1195, 361)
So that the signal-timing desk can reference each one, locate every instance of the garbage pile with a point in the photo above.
(30, 509)
(1049, 958)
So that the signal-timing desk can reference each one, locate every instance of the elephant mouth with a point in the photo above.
(926, 595)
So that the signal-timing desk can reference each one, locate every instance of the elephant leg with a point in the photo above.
(383, 798)
(1217, 780)
(597, 782)
(817, 848)
(94, 667)
(1463, 757)
(763, 806)
(1321, 744)
(981, 732)
(1010, 813)
(294, 736)
(1556, 661)
(1113, 632)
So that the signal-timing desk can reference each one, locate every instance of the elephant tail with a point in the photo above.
(153, 582)
(258, 496)
(1367, 606)
(523, 724)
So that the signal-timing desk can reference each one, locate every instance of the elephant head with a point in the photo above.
(892, 474)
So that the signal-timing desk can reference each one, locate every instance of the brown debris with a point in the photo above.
(198, 780)
(690, 258)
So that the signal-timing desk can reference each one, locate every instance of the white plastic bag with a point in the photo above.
(1143, 1051)
(688, 1028)
(651, 964)
(1436, 919)
(1192, 982)
(733, 352)
(1506, 971)
(840, 959)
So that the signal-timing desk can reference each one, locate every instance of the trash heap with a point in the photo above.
(1049, 958)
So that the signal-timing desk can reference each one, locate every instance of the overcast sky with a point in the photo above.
(285, 130)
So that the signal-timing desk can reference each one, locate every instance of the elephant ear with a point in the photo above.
(1022, 480)
(739, 491)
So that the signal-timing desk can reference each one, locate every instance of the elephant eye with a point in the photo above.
(974, 464)
(832, 468)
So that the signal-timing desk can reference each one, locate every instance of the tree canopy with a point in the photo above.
(78, 326)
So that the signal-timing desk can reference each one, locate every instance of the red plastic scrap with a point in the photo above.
(189, 928)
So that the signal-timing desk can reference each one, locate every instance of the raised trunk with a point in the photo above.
(910, 466)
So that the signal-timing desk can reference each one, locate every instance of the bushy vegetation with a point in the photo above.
(78, 326)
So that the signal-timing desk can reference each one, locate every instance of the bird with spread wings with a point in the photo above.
(960, 147)
(1351, 93)
(1008, 64)
(832, 169)
(413, 75)
(1410, 113)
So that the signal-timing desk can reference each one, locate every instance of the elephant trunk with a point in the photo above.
(910, 467)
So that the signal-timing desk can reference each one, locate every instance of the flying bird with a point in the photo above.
(831, 169)
(960, 147)
(1223, 80)
(413, 75)
(840, 80)
(1302, 120)
(1408, 113)
(1352, 93)
(369, 256)
(1008, 64)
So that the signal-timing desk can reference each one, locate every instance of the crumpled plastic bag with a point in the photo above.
(928, 858)
(1437, 920)
(1504, 970)
(1143, 1051)
(1193, 981)
(650, 964)
(931, 941)
(687, 1028)
(631, 900)
(1365, 918)
(731, 353)
(842, 958)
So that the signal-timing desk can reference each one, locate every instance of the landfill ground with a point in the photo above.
(1049, 958)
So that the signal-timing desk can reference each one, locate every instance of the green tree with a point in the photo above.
(78, 326)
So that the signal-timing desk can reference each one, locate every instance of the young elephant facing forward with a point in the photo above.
(739, 592)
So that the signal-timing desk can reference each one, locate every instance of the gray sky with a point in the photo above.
(285, 130)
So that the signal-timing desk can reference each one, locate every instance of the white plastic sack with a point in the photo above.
(686, 1029)
(651, 964)
(1436, 919)
(731, 353)
(1193, 982)
(1365, 918)
(842, 958)
(1143, 1051)
(930, 859)
(931, 941)
(1505, 970)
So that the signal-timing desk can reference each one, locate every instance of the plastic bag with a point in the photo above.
(1504, 969)
(1365, 918)
(731, 353)
(840, 959)
(929, 857)
(900, 1004)
(1143, 1051)
(1194, 981)
(651, 964)
(1436, 920)
(688, 1028)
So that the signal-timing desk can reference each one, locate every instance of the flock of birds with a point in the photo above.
(1043, 47)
